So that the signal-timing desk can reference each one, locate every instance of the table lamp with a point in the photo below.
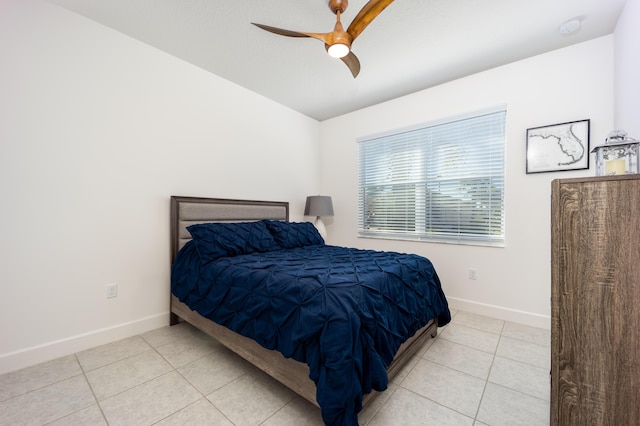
(319, 205)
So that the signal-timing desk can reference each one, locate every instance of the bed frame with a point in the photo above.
(187, 211)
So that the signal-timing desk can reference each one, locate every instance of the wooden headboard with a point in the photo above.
(186, 211)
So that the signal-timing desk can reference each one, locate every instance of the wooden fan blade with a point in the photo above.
(353, 63)
(351, 60)
(323, 37)
(280, 31)
(367, 14)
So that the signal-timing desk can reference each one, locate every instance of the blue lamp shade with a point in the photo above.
(318, 205)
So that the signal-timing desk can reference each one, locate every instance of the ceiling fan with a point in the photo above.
(338, 42)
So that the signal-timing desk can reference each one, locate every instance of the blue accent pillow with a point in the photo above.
(214, 240)
(294, 234)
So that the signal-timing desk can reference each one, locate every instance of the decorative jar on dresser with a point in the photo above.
(595, 301)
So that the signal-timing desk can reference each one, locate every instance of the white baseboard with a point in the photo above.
(34, 355)
(506, 314)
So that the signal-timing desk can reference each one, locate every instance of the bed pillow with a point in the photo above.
(214, 240)
(294, 234)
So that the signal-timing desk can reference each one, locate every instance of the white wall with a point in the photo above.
(627, 70)
(96, 132)
(513, 282)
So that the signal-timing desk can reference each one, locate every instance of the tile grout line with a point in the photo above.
(204, 397)
(422, 357)
(500, 338)
(84, 376)
(95, 397)
(486, 382)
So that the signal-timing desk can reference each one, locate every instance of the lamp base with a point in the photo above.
(319, 224)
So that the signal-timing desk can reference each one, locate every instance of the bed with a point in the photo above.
(267, 302)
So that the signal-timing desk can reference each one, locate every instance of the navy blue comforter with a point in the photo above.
(344, 312)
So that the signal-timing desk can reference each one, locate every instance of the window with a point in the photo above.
(441, 182)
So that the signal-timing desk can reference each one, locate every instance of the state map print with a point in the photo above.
(558, 147)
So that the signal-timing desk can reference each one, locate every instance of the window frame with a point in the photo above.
(486, 230)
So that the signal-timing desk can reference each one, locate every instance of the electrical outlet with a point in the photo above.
(473, 274)
(112, 290)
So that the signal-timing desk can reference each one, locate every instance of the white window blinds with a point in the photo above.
(442, 182)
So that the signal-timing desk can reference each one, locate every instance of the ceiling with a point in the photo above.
(410, 46)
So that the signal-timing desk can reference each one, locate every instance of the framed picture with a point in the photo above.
(558, 147)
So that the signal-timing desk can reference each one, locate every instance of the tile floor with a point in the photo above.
(478, 371)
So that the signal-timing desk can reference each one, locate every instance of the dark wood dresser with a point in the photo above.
(595, 301)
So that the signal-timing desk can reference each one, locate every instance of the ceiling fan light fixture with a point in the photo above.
(338, 50)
